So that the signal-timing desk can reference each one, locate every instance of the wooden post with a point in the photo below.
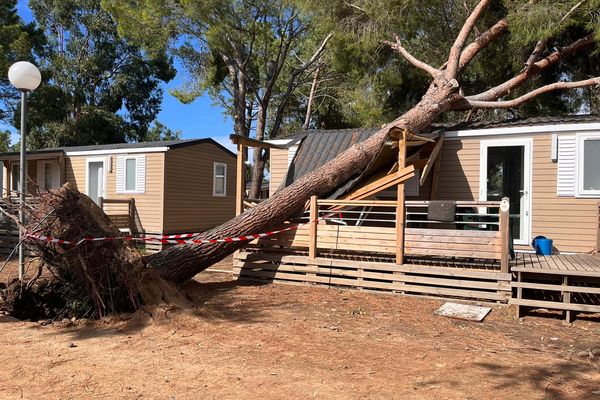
(519, 308)
(312, 238)
(101, 203)
(504, 218)
(131, 207)
(436, 177)
(400, 211)
(240, 187)
(598, 230)
(566, 295)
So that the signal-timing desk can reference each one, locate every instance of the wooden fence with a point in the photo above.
(480, 230)
(354, 244)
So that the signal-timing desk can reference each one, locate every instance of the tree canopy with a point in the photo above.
(18, 42)
(376, 85)
(99, 88)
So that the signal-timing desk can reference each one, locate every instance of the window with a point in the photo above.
(14, 177)
(219, 179)
(48, 176)
(130, 174)
(588, 175)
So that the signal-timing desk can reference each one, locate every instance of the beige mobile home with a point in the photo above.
(173, 186)
(548, 167)
(450, 213)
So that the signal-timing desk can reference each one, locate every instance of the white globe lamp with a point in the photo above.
(26, 77)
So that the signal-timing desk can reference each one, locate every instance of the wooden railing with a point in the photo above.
(480, 230)
(121, 212)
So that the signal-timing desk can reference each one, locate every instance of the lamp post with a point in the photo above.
(26, 77)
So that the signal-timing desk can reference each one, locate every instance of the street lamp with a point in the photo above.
(26, 77)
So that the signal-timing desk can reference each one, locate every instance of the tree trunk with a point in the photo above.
(259, 156)
(180, 263)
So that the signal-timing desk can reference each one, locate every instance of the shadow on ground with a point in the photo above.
(556, 381)
(213, 301)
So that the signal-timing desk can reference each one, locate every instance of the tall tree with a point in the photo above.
(160, 131)
(18, 42)
(248, 55)
(101, 88)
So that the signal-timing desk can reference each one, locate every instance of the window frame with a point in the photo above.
(580, 171)
(136, 186)
(14, 184)
(224, 176)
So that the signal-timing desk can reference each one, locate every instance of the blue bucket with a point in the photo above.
(542, 246)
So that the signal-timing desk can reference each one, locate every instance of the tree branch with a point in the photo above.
(477, 104)
(481, 43)
(434, 72)
(459, 43)
(536, 68)
(541, 44)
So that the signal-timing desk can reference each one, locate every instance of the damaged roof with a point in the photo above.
(319, 146)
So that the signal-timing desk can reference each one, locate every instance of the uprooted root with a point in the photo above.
(92, 279)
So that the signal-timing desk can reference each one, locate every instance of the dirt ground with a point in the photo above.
(251, 341)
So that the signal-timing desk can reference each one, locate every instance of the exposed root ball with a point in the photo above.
(92, 279)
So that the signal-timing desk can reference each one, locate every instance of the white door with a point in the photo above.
(505, 171)
(95, 181)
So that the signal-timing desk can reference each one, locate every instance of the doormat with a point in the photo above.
(463, 311)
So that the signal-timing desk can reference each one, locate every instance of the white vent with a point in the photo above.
(565, 178)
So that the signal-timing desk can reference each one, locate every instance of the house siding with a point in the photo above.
(149, 205)
(189, 201)
(570, 222)
(278, 167)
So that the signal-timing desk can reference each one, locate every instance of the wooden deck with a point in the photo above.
(561, 282)
(573, 265)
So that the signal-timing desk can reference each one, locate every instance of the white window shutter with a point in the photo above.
(141, 174)
(565, 176)
(120, 178)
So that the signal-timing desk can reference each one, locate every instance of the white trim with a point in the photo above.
(87, 174)
(116, 151)
(278, 142)
(527, 143)
(215, 194)
(590, 126)
(291, 154)
(579, 168)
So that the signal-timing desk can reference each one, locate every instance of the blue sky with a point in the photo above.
(196, 120)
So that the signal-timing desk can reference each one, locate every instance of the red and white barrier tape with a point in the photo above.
(170, 239)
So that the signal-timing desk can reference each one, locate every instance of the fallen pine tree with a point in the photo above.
(111, 276)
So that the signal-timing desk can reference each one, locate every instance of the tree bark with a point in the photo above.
(180, 263)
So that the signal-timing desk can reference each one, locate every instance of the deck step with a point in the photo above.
(556, 305)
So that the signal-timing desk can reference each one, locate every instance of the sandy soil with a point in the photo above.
(250, 341)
